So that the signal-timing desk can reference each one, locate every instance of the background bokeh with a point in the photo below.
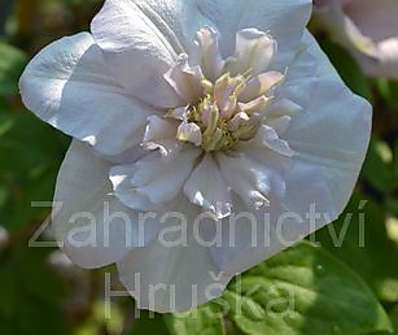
(42, 293)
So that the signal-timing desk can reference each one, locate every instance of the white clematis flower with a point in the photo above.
(367, 28)
(187, 109)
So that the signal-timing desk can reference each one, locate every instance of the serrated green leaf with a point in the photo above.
(12, 62)
(303, 291)
(205, 320)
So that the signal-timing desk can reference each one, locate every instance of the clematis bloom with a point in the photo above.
(188, 114)
(368, 29)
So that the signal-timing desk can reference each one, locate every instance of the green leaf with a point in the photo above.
(12, 63)
(394, 317)
(378, 169)
(360, 239)
(32, 154)
(389, 90)
(205, 320)
(32, 294)
(303, 291)
(148, 323)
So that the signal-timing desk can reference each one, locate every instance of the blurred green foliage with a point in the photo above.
(355, 289)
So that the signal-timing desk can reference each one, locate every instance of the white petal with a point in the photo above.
(279, 124)
(285, 20)
(83, 222)
(330, 140)
(344, 30)
(185, 80)
(166, 278)
(206, 187)
(254, 51)
(152, 181)
(260, 85)
(310, 62)
(160, 134)
(253, 182)
(369, 30)
(268, 137)
(208, 54)
(238, 120)
(257, 106)
(190, 132)
(284, 107)
(248, 238)
(137, 51)
(377, 20)
(68, 85)
(170, 18)
(386, 63)
(333, 136)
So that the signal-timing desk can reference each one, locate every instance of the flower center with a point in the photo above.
(222, 119)
(226, 99)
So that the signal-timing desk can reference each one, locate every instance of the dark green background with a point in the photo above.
(36, 298)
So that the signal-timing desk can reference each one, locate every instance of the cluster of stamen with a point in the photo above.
(224, 101)
(222, 119)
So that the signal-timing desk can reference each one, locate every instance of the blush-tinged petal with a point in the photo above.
(208, 53)
(176, 272)
(329, 139)
(91, 225)
(377, 20)
(254, 51)
(185, 80)
(368, 29)
(279, 124)
(160, 134)
(284, 19)
(190, 132)
(269, 138)
(260, 85)
(152, 181)
(254, 183)
(284, 107)
(332, 137)
(68, 85)
(137, 51)
(207, 188)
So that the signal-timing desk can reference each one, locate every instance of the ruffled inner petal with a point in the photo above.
(207, 188)
(152, 181)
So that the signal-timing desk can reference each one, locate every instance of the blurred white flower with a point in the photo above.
(188, 107)
(367, 28)
(4, 237)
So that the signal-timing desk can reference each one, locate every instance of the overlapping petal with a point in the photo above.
(134, 82)
(177, 271)
(368, 29)
(330, 142)
(91, 225)
(152, 181)
(285, 19)
(68, 86)
(207, 188)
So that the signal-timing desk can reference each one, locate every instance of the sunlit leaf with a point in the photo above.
(360, 239)
(206, 320)
(304, 290)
